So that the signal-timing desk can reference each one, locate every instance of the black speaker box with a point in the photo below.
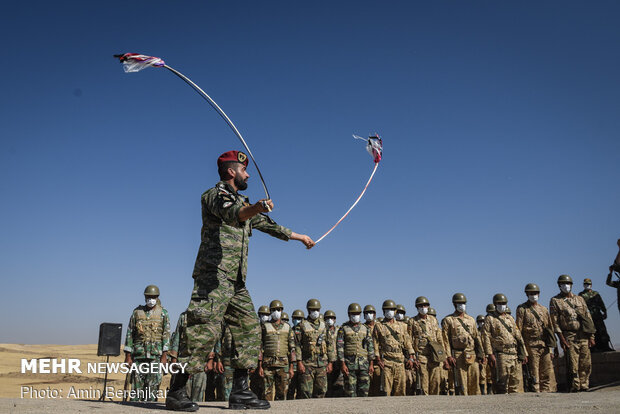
(109, 339)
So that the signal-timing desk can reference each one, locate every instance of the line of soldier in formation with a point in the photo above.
(391, 355)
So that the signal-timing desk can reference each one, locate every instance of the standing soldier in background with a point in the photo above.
(370, 316)
(294, 390)
(257, 383)
(263, 314)
(147, 341)
(392, 348)
(485, 381)
(428, 346)
(598, 311)
(285, 318)
(462, 346)
(615, 268)
(332, 333)
(504, 347)
(534, 322)
(575, 329)
(224, 370)
(315, 354)
(277, 355)
(355, 351)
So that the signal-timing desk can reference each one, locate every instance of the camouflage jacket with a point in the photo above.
(531, 327)
(354, 345)
(283, 342)
(456, 337)
(595, 303)
(144, 339)
(224, 239)
(501, 334)
(392, 342)
(422, 331)
(313, 346)
(563, 311)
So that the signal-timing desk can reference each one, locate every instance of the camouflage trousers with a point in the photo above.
(430, 376)
(196, 386)
(215, 297)
(580, 362)
(357, 383)
(276, 383)
(509, 373)
(145, 385)
(541, 367)
(394, 380)
(313, 382)
(466, 373)
(224, 383)
(293, 386)
(375, 381)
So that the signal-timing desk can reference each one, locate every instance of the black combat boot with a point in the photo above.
(241, 398)
(177, 399)
(481, 389)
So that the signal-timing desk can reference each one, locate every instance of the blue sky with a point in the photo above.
(500, 124)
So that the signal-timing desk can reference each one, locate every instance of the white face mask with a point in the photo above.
(330, 321)
(461, 307)
(354, 318)
(276, 315)
(296, 321)
(369, 317)
(587, 287)
(500, 308)
(314, 314)
(532, 298)
(389, 314)
(566, 287)
(151, 302)
(423, 310)
(480, 325)
(264, 318)
(400, 316)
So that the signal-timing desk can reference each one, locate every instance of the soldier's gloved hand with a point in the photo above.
(492, 360)
(301, 368)
(219, 367)
(330, 368)
(345, 369)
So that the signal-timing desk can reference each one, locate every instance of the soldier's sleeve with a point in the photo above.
(174, 339)
(165, 340)
(445, 330)
(439, 335)
(292, 357)
(408, 344)
(266, 224)
(520, 317)
(600, 304)
(298, 339)
(129, 336)
(553, 313)
(486, 336)
(222, 205)
(370, 345)
(413, 333)
(375, 338)
(340, 344)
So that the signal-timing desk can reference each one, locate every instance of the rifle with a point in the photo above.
(418, 378)
(382, 377)
(528, 380)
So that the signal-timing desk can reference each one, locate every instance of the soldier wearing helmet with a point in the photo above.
(370, 317)
(485, 379)
(263, 314)
(428, 346)
(315, 353)
(334, 376)
(463, 347)
(294, 384)
(147, 341)
(504, 347)
(575, 329)
(534, 322)
(355, 349)
(598, 311)
(392, 348)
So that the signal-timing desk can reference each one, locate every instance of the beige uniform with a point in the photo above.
(375, 375)
(531, 320)
(501, 338)
(393, 346)
(424, 329)
(459, 337)
(486, 379)
(563, 311)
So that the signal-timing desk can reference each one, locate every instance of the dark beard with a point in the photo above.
(240, 184)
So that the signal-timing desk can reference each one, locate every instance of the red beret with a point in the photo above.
(236, 156)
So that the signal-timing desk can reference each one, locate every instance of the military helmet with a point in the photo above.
(369, 308)
(432, 311)
(532, 288)
(508, 311)
(401, 308)
(285, 317)
(459, 298)
(389, 304)
(264, 310)
(479, 318)
(298, 313)
(587, 281)
(490, 308)
(421, 300)
(313, 304)
(565, 279)
(354, 308)
(329, 314)
(276, 304)
(151, 290)
(499, 298)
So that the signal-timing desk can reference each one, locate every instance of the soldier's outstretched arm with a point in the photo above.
(306, 240)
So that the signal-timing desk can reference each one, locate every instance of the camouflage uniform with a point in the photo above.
(197, 383)
(277, 353)
(598, 311)
(335, 383)
(375, 376)
(393, 346)
(223, 350)
(460, 342)
(316, 352)
(423, 330)
(148, 337)
(531, 320)
(219, 281)
(355, 347)
(502, 339)
(565, 321)
(294, 384)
